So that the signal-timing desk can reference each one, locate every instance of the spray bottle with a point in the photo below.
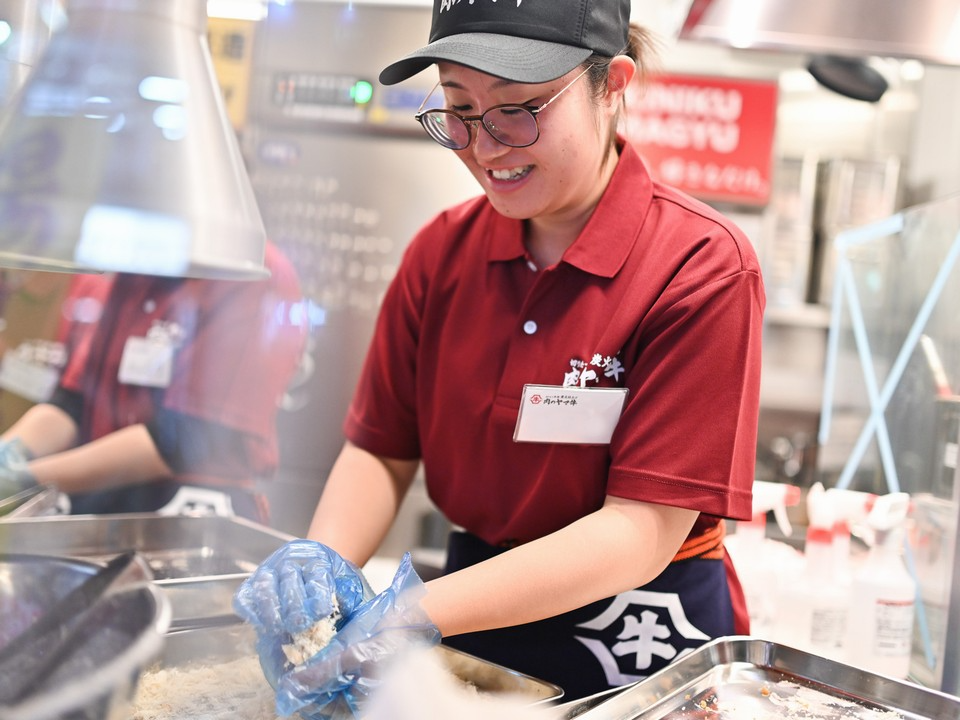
(850, 509)
(761, 562)
(880, 627)
(812, 612)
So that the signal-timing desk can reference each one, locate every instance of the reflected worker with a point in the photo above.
(177, 384)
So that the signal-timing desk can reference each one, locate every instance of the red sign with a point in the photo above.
(711, 137)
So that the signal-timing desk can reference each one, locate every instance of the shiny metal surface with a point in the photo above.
(577, 708)
(117, 153)
(197, 561)
(488, 677)
(120, 636)
(174, 546)
(742, 677)
(22, 664)
(922, 29)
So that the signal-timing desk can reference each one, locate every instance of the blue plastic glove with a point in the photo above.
(299, 584)
(335, 684)
(15, 475)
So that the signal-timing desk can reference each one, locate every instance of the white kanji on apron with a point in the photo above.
(643, 638)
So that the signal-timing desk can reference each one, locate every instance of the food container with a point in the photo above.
(739, 678)
(199, 562)
(216, 668)
(97, 670)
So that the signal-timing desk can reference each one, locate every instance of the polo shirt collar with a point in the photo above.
(610, 233)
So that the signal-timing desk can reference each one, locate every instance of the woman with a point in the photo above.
(574, 358)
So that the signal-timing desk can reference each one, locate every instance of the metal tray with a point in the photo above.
(213, 645)
(175, 546)
(743, 678)
(198, 561)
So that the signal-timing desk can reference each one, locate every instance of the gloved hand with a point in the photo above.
(298, 585)
(15, 475)
(335, 684)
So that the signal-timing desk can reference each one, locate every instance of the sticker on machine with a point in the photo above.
(573, 415)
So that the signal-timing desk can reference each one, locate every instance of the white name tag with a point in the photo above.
(33, 381)
(147, 362)
(583, 416)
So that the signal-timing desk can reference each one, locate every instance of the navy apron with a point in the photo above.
(610, 642)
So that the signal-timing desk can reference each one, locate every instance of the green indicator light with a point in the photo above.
(361, 92)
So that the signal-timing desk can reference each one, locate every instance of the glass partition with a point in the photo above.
(892, 400)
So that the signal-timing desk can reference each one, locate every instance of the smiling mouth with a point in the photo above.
(511, 173)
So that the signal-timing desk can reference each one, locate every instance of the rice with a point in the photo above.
(233, 690)
(304, 645)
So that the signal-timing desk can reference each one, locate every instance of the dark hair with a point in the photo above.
(643, 47)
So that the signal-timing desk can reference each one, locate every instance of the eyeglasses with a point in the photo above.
(513, 125)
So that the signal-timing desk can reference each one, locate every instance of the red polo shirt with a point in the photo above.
(237, 346)
(662, 289)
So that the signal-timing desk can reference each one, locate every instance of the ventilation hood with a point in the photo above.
(117, 154)
(925, 30)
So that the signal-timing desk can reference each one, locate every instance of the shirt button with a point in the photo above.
(529, 327)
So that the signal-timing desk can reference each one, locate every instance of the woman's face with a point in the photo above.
(564, 172)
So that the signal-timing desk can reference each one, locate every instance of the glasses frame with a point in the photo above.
(470, 120)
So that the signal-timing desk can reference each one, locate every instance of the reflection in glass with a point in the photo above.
(143, 384)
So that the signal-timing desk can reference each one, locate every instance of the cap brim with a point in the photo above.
(511, 58)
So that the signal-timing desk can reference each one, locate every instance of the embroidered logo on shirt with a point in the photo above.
(167, 331)
(583, 372)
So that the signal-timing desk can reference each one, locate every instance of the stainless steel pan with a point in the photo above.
(743, 677)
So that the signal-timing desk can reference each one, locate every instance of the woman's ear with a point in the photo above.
(621, 71)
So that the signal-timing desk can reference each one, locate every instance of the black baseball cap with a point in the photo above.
(527, 41)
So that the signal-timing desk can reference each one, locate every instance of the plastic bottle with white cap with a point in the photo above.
(880, 626)
(762, 563)
(812, 610)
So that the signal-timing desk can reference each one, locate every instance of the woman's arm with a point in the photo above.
(360, 501)
(44, 429)
(124, 457)
(622, 546)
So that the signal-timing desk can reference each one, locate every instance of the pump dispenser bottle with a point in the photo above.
(880, 626)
